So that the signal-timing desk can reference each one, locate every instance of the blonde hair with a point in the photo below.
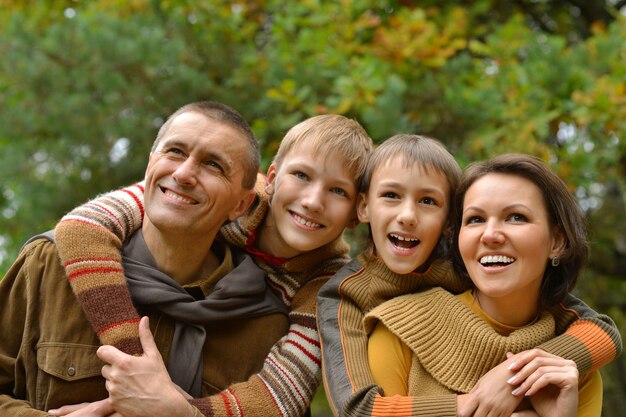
(331, 133)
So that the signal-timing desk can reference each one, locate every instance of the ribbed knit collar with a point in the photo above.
(449, 340)
(390, 284)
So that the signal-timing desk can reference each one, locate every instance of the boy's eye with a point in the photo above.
(390, 194)
(301, 175)
(339, 191)
(428, 201)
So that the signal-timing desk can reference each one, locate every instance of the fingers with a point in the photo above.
(542, 371)
(110, 354)
(146, 338)
(66, 409)
(519, 360)
(100, 408)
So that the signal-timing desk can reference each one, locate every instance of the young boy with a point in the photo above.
(293, 229)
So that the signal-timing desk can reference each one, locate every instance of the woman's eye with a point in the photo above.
(516, 217)
(473, 220)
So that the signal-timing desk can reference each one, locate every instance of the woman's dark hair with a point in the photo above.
(564, 215)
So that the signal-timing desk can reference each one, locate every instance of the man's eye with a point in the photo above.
(174, 151)
(213, 164)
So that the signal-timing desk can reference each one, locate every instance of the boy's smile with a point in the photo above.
(407, 209)
(312, 200)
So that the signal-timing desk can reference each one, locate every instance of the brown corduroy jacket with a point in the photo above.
(47, 346)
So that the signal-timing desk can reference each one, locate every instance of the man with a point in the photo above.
(213, 318)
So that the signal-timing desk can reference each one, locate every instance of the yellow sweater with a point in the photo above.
(411, 353)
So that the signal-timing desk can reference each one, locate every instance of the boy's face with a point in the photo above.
(407, 210)
(312, 200)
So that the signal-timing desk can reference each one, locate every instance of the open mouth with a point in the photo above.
(305, 222)
(403, 242)
(497, 261)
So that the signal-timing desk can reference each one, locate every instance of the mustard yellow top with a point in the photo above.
(390, 361)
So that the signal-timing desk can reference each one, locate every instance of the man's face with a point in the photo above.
(194, 177)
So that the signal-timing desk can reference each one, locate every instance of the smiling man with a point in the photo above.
(212, 315)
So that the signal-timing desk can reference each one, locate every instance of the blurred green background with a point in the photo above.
(84, 86)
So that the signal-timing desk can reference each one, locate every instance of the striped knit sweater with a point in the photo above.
(291, 371)
(590, 339)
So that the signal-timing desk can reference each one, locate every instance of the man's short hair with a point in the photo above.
(230, 117)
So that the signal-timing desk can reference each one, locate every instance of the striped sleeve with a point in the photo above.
(290, 375)
(590, 339)
(89, 241)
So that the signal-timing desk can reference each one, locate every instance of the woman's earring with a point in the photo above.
(555, 261)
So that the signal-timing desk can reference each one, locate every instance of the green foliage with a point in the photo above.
(84, 87)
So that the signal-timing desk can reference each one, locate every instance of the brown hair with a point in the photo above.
(564, 213)
(429, 154)
(230, 117)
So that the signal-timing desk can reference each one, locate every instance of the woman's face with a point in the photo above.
(506, 241)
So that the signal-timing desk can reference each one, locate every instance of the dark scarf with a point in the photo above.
(241, 293)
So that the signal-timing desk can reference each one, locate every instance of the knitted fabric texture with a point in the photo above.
(590, 339)
(454, 345)
(291, 372)
(89, 241)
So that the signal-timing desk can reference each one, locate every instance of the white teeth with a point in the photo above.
(408, 239)
(305, 222)
(500, 259)
(178, 197)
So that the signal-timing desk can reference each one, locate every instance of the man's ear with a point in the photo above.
(247, 196)
(362, 209)
(269, 178)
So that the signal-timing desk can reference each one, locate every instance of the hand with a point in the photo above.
(139, 386)
(551, 385)
(491, 396)
(100, 408)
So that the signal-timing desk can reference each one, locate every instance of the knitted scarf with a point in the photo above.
(454, 345)
(241, 293)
